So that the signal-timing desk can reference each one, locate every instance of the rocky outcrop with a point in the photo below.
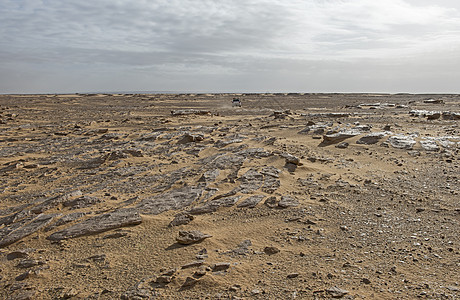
(98, 224)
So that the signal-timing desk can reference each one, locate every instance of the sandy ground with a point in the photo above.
(373, 220)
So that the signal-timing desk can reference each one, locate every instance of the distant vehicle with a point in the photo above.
(236, 102)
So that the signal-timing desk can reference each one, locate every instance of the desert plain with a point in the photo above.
(182, 196)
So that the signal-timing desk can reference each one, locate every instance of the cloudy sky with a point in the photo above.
(56, 46)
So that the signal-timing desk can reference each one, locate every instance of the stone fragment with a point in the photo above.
(17, 254)
(28, 228)
(291, 159)
(271, 250)
(191, 237)
(271, 202)
(250, 181)
(342, 145)
(181, 219)
(288, 201)
(116, 235)
(184, 112)
(65, 219)
(251, 201)
(193, 264)
(371, 138)
(429, 145)
(191, 138)
(139, 291)
(100, 223)
(82, 202)
(23, 276)
(220, 267)
(402, 142)
(242, 248)
(448, 115)
(336, 292)
(215, 204)
(29, 263)
(338, 137)
(54, 201)
(292, 275)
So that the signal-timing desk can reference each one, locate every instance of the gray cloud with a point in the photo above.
(206, 45)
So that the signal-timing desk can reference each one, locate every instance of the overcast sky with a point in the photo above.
(56, 46)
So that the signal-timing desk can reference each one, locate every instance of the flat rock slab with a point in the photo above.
(98, 224)
(26, 229)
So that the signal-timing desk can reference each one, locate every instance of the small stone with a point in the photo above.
(17, 254)
(191, 237)
(192, 264)
(97, 258)
(23, 276)
(220, 267)
(336, 292)
(29, 263)
(181, 219)
(293, 275)
(271, 250)
(365, 281)
(342, 145)
(199, 273)
(271, 202)
(116, 235)
(288, 201)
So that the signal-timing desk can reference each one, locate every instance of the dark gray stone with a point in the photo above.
(271, 250)
(181, 219)
(288, 201)
(251, 201)
(371, 138)
(271, 202)
(82, 202)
